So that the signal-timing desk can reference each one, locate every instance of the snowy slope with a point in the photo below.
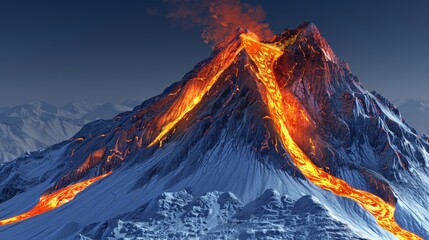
(221, 171)
(37, 125)
(123, 196)
(217, 215)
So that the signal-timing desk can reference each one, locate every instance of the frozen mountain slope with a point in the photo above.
(217, 215)
(37, 125)
(207, 158)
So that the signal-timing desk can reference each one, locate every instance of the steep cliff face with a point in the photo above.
(286, 115)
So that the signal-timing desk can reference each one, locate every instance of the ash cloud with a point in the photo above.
(218, 18)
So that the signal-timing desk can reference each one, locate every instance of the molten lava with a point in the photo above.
(53, 200)
(196, 88)
(264, 56)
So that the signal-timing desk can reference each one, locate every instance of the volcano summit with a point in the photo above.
(272, 139)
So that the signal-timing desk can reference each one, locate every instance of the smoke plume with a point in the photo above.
(218, 18)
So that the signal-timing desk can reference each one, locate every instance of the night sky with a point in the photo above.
(110, 51)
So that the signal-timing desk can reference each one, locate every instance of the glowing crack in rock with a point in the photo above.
(196, 88)
(53, 200)
(264, 56)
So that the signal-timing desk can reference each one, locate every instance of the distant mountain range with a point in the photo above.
(34, 126)
(416, 112)
(262, 140)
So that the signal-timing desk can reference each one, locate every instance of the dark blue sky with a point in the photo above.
(109, 51)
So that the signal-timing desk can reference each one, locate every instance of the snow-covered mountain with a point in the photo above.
(217, 215)
(37, 125)
(260, 140)
(416, 113)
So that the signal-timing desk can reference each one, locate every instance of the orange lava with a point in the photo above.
(53, 200)
(195, 89)
(264, 56)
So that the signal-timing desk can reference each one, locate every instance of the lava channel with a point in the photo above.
(264, 56)
(53, 200)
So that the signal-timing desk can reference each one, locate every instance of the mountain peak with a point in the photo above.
(256, 115)
(308, 34)
(308, 28)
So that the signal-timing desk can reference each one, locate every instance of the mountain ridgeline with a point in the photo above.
(37, 125)
(259, 134)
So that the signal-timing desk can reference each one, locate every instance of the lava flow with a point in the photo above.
(264, 56)
(196, 88)
(53, 200)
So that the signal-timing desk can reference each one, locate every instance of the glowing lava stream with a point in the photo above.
(53, 200)
(194, 91)
(264, 56)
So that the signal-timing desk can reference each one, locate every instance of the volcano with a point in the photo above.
(264, 139)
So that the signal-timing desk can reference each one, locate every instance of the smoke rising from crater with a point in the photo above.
(218, 18)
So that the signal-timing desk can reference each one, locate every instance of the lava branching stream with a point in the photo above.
(264, 56)
(53, 200)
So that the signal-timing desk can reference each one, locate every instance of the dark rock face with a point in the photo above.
(356, 130)
(227, 144)
(348, 122)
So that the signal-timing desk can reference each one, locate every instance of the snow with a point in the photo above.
(217, 215)
(209, 180)
(244, 175)
(37, 125)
